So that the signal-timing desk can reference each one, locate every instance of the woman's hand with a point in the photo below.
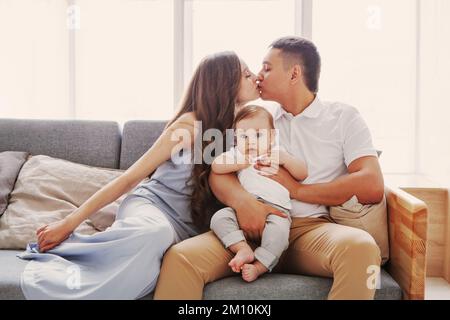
(51, 235)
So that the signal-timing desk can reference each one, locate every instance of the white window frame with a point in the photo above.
(303, 18)
(184, 35)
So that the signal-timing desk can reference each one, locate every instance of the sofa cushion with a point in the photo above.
(137, 137)
(10, 164)
(47, 190)
(11, 269)
(275, 286)
(95, 143)
(270, 286)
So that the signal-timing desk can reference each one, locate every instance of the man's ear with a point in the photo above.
(296, 73)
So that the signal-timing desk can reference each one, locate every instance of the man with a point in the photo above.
(336, 144)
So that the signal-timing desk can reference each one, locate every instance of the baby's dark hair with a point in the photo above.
(251, 111)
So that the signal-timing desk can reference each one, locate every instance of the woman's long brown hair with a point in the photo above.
(212, 96)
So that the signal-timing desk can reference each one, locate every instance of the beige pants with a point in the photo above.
(317, 247)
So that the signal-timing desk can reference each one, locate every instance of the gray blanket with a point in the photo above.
(10, 164)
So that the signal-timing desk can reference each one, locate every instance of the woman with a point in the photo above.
(123, 262)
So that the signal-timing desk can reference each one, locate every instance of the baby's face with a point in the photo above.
(254, 136)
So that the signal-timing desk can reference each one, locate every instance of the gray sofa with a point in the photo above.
(101, 143)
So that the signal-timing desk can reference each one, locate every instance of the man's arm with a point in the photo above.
(364, 179)
(228, 190)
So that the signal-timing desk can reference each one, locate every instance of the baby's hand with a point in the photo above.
(263, 160)
(275, 158)
(268, 164)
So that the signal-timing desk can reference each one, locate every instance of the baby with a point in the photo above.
(255, 142)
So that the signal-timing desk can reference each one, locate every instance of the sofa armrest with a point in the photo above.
(407, 217)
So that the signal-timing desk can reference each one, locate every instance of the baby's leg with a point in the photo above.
(225, 225)
(275, 239)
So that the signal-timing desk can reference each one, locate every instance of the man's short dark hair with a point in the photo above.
(296, 50)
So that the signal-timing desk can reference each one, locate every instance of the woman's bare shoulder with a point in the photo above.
(186, 121)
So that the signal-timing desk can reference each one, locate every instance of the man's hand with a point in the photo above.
(252, 216)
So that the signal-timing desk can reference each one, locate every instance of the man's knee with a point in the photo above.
(194, 250)
(360, 246)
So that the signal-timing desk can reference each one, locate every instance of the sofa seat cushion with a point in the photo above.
(288, 287)
(11, 268)
(270, 286)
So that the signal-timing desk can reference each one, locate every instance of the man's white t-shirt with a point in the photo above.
(328, 136)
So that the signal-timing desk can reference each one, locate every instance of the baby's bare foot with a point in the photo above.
(251, 272)
(243, 256)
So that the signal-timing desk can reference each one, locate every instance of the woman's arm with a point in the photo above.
(162, 149)
(166, 145)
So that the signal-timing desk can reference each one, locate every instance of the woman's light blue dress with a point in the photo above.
(122, 262)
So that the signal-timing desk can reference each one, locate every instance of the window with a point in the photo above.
(66, 58)
(124, 60)
(369, 53)
(246, 26)
(131, 59)
(33, 59)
